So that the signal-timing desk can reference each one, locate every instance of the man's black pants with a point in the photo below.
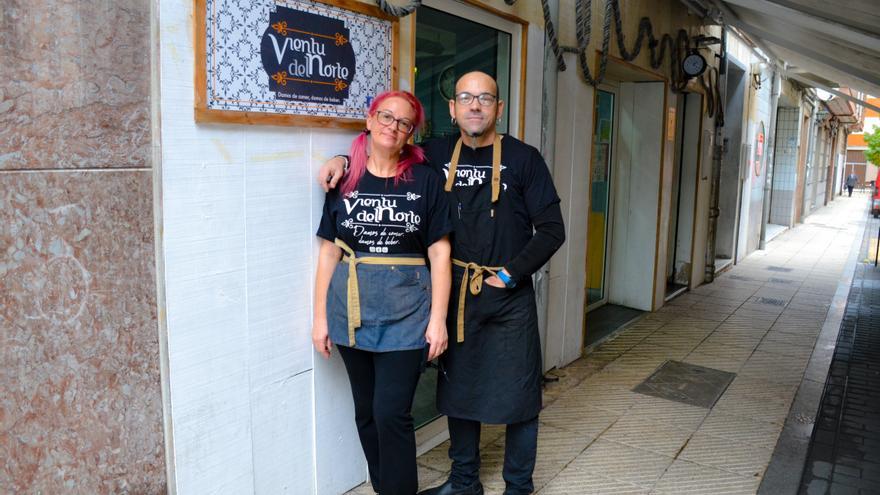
(383, 385)
(849, 189)
(520, 450)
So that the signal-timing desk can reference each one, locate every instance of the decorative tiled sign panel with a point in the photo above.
(291, 62)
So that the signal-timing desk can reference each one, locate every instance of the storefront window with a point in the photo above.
(448, 46)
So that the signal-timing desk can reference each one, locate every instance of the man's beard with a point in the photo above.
(474, 135)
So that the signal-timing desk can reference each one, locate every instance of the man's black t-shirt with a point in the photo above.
(497, 235)
(379, 217)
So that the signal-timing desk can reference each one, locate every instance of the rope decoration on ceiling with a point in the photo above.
(400, 11)
(678, 46)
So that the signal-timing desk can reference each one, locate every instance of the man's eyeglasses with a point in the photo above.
(485, 99)
(386, 118)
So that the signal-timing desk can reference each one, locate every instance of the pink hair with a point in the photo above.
(409, 155)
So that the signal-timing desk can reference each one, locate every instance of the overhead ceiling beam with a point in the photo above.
(850, 34)
(827, 59)
(801, 64)
(729, 17)
(696, 7)
(816, 84)
(861, 13)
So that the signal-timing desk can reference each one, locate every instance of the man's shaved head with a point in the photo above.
(479, 78)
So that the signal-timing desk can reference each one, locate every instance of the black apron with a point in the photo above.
(494, 375)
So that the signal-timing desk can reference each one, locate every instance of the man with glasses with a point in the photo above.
(507, 224)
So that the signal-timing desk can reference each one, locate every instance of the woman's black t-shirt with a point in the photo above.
(379, 217)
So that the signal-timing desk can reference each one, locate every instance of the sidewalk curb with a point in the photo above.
(783, 475)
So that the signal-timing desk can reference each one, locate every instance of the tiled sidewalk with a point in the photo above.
(759, 320)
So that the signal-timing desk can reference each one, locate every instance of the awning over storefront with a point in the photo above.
(823, 44)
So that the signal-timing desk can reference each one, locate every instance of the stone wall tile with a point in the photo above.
(81, 407)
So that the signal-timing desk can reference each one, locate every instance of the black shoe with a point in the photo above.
(448, 489)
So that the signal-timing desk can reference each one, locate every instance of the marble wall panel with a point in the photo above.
(80, 397)
(74, 84)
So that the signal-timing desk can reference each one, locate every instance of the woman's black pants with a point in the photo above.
(383, 385)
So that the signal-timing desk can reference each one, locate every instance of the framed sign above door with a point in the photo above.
(292, 62)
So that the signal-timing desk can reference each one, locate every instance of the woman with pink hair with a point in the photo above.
(382, 306)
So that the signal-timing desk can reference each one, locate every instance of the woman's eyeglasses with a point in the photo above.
(386, 118)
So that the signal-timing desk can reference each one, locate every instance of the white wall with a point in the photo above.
(756, 109)
(250, 410)
(574, 131)
(690, 155)
(636, 195)
(703, 197)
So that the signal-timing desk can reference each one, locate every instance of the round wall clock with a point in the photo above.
(446, 82)
(693, 64)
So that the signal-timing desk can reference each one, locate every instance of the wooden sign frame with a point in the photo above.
(205, 113)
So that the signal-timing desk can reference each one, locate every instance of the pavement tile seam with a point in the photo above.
(685, 477)
(726, 454)
(741, 429)
(714, 361)
(657, 438)
(623, 462)
(579, 483)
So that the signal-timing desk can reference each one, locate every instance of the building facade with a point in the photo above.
(158, 271)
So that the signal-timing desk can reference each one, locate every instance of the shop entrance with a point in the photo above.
(685, 175)
(732, 169)
(623, 204)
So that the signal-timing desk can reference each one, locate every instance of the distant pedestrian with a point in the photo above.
(851, 181)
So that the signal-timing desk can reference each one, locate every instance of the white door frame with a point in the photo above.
(613, 88)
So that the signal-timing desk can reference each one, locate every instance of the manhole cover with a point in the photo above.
(686, 383)
(779, 269)
(771, 301)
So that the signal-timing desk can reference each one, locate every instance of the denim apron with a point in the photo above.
(395, 304)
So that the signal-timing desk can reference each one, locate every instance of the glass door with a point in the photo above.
(599, 216)
(451, 40)
(448, 46)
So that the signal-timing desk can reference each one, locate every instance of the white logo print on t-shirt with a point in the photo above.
(376, 220)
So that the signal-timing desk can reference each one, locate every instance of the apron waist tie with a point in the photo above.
(353, 290)
(475, 284)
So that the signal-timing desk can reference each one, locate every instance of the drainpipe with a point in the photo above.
(810, 172)
(718, 150)
(770, 150)
(829, 162)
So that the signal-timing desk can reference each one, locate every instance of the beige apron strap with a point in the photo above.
(453, 166)
(353, 295)
(496, 168)
(474, 283)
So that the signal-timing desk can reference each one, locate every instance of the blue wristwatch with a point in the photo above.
(508, 281)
